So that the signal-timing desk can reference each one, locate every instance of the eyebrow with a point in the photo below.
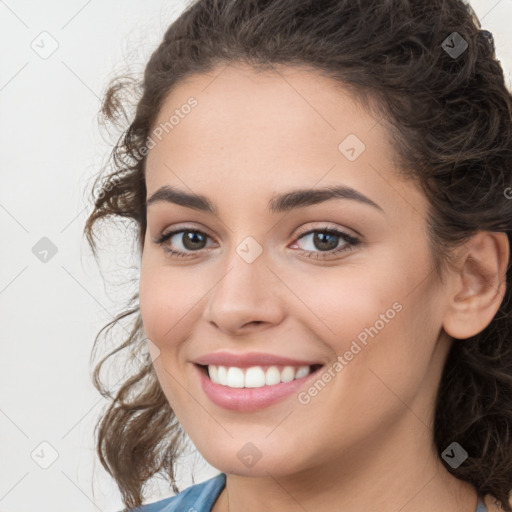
(299, 198)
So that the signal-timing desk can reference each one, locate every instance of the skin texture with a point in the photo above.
(365, 441)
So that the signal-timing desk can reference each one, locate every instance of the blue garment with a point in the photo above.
(480, 507)
(201, 497)
(196, 498)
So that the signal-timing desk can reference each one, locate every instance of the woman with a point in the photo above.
(321, 196)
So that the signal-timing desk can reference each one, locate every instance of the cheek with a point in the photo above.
(380, 317)
(162, 300)
(170, 301)
(341, 303)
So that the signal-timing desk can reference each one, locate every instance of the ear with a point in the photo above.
(478, 285)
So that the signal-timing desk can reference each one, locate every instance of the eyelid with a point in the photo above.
(308, 228)
(184, 227)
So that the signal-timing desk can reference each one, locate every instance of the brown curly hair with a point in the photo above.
(450, 119)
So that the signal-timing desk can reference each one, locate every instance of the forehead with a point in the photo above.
(260, 130)
(297, 105)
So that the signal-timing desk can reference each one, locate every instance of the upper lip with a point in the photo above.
(248, 359)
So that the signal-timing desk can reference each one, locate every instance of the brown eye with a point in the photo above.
(186, 240)
(327, 241)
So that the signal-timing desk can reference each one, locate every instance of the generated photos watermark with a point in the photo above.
(304, 397)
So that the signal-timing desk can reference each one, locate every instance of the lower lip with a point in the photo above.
(249, 399)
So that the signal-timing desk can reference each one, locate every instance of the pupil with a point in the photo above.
(320, 241)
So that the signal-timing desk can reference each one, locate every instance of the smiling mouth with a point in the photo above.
(256, 376)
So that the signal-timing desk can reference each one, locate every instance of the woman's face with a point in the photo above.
(264, 276)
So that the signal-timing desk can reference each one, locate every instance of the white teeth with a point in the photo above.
(235, 377)
(287, 374)
(272, 376)
(221, 374)
(214, 373)
(255, 376)
(302, 372)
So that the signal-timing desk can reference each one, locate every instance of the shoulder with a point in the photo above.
(196, 498)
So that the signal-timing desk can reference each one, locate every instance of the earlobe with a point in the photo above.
(479, 285)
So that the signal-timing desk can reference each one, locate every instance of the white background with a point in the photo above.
(51, 146)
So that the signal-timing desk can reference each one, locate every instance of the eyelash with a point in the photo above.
(351, 241)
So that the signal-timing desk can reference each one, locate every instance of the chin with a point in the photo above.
(277, 465)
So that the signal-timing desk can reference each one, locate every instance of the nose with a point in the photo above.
(247, 297)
